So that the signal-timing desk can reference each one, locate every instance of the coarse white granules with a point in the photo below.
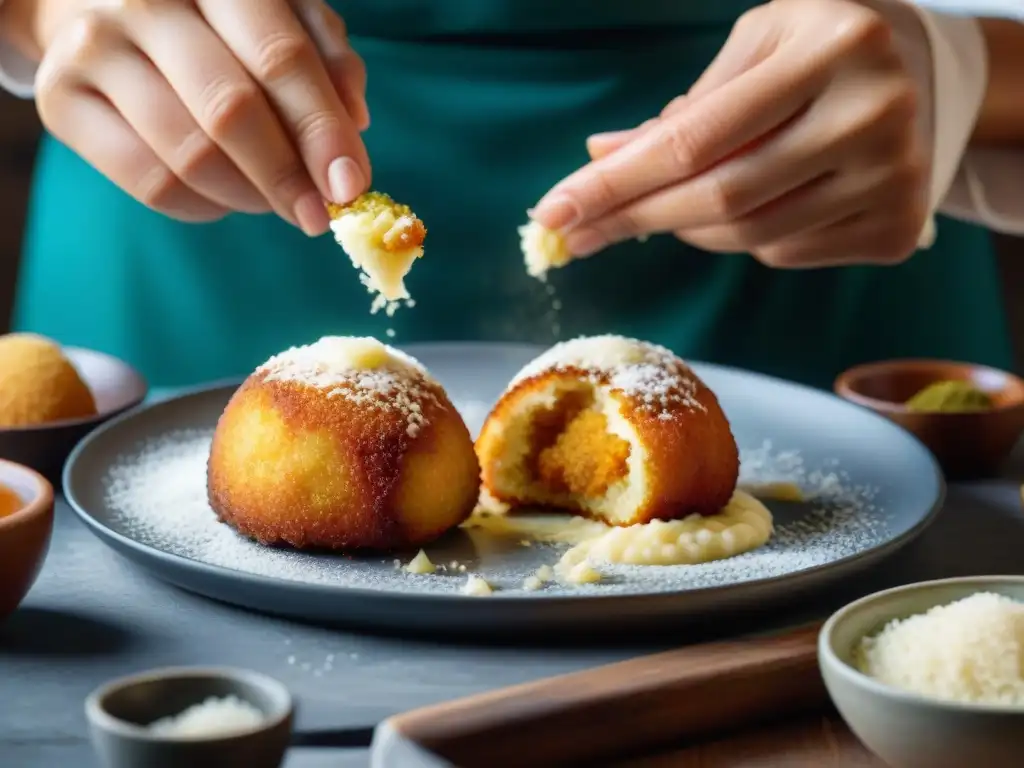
(210, 718)
(646, 372)
(361, 370)
(157, 496)
(970, 650)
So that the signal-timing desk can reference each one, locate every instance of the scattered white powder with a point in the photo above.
(970, 651)
(156, 494)
(210, 718)
(647, 373)
(361, 370)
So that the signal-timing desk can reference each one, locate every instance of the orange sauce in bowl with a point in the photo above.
(10, 502)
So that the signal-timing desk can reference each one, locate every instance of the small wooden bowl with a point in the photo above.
(115, 385)
(24, 534)
(966, 445)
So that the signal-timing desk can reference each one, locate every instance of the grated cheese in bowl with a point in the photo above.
(212, 717)
(969, 651)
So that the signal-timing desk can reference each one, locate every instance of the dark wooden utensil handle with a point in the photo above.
(625, 707)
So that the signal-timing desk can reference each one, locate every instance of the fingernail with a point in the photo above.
(311, 214)
(608, 136)
(346, 180)
(558, 212)
(585, 242)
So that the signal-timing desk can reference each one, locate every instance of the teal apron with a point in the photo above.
(478, 107)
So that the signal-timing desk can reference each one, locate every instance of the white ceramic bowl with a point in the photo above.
(904, 729)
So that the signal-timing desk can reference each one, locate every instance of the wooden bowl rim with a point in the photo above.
(39, 506)
(843, 385)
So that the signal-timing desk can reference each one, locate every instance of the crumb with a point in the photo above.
(476, 587)
(420, 564)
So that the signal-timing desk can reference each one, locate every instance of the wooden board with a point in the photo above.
(692, 696)
(821, 741)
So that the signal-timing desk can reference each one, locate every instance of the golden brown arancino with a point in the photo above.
(39, 384)
(291, 465)
(691, 460)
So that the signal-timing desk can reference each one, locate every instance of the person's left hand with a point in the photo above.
(797, 145)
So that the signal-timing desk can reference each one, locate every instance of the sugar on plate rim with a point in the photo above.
(98, 714)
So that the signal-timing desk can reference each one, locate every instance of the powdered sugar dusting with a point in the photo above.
(648, 373)
(361, 370)
(156, 494)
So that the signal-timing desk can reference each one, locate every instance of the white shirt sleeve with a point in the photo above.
(950, 62)
(17, 74)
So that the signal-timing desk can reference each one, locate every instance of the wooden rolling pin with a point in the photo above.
(626, 708)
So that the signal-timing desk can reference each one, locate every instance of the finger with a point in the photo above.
(878, 183)
(680, 146)
(345, 67)
(752, 40)
(92, 127)
(602, 144)
(133, 86)
(814, 206)
(875, 237)
(830, 200)
(233, 111)
(724, 196)
(276, 50)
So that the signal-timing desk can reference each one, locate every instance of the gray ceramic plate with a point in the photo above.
(138, 483)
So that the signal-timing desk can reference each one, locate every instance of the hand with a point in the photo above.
(200, 108)
(798, 145)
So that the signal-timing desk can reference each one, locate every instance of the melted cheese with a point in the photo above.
(742, 525)
(372, 239)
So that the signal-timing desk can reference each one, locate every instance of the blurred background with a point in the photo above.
(19, 134)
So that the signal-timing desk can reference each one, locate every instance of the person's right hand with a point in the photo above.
(200, 108)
